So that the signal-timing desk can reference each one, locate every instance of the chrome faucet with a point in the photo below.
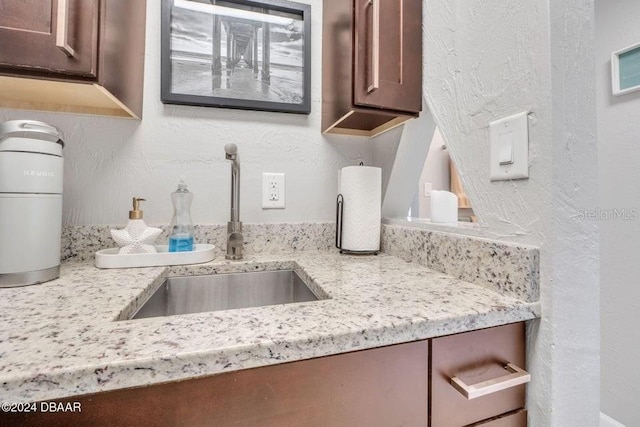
(235, 240)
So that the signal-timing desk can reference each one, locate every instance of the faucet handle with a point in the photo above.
(231, 151)
(235, 240)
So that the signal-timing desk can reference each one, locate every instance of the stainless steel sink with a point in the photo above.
(196, 294)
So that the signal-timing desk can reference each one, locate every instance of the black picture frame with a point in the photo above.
(294, 94)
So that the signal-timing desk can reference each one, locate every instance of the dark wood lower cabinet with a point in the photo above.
(379, 387)
(513, 419)
(401, 385)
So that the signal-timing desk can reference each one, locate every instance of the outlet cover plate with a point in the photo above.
(428, 187)
(273, 191)
(509, 137)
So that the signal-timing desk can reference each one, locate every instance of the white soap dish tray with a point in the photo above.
(109, 258)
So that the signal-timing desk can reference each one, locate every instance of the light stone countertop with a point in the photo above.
(65, 337)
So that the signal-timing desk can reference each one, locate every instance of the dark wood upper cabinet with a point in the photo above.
(59, 36)
(83, 56)
(372, 65)
(388, 54)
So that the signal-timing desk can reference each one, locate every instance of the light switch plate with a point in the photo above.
(512, 130)
(273, 191)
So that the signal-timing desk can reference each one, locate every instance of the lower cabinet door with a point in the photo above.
(383, 387)
(486, 366)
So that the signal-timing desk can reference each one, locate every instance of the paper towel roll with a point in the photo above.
(444, 207)
(361, 188)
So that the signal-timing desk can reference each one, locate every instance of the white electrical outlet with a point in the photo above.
(273, 191)
(427, 189)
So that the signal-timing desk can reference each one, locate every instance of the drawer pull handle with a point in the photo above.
(516, 377)
(61, 29)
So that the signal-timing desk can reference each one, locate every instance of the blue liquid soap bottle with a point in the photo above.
(181, 230)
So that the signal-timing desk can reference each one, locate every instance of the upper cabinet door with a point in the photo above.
(388, 53)
(50, 36)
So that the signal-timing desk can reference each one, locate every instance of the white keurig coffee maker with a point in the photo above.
(30, 202)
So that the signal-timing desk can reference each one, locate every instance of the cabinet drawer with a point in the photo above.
(518, 419)
(473, 358)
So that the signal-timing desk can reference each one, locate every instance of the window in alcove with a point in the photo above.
(439, 173)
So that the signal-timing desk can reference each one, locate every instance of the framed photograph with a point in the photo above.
(252, 55)
(625, 70)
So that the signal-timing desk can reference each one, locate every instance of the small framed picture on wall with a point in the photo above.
(625, 70)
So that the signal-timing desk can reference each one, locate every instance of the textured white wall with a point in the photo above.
(108, 161)
(486, 60)
(618, 26)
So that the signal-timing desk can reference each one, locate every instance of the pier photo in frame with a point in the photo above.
(251, 55)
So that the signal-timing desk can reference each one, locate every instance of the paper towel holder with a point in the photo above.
(339, 217)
